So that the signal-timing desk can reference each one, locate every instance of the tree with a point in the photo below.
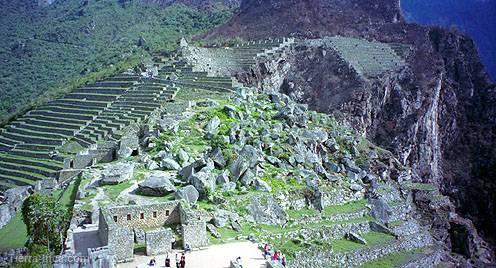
(45, 219)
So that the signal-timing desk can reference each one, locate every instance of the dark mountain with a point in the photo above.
(437, 114)
(474, 17)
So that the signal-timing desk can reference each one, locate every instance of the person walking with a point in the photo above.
(266, 250)
(283, 260)
(183, 261)
(167, 261)
(178, 264)
(239, 262)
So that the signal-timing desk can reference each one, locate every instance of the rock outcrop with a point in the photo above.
(435, 111)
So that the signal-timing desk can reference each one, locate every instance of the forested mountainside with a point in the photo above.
(436, 113)
(47, 50)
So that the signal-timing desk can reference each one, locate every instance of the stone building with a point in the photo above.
(118, 225)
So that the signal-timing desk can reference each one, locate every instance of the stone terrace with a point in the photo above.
(369, 59)
(86, 116)
(225, 61)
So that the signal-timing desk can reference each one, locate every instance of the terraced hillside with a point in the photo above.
(369, 59)
(226, 61)
(88, 115)
(48, 51)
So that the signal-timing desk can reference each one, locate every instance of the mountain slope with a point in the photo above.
(44, 49)
(436, 114)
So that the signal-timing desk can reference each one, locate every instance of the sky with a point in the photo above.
(475, 17)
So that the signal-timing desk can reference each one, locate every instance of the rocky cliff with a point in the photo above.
(436, 113)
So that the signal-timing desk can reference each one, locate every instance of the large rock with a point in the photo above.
(351, 166)
(169, 123)
(380, 210)
(188, 171)
(262, 186)
(170, 164)
(247, 178)
(182, 156)
(188, 194)
(238, 168)
(316, 135)
(218, 158)
(213, 124)
(127, 145)
(222, 218)
(266, 211)
(251, 155)
(117, 173)
(223, 178)
(356, 238)
(157, 184)
(204, 182)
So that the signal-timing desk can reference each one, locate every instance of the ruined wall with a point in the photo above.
(194, 228)
(195, 234)
(159, 241)
(121, 242)
(144, 216)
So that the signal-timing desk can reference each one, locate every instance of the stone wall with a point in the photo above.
(195, 234)
(121, 242)
(144, 216)
(194, 228)
(158, 241)
(324, 259)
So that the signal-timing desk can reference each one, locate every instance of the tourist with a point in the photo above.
(238, 261)
(187, 248)
(167, 261)
(266, 250)
(177, 262)
(152, 262)
(275, 257)
(182, 263)
(283, 260)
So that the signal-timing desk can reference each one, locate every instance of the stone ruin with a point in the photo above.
(121, 226)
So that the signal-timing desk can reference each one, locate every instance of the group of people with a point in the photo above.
(180, 262)
(276, 256)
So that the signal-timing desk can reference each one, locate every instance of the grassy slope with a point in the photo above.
(15, 235)
(43, 53)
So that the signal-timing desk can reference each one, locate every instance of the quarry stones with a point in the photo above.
(380, 210)
(157, 184)
(266, 211)
(188, 194)
(204, 182)
(170, 164)
(117, 173)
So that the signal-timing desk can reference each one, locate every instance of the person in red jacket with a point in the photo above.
(266, 250)
(275, 257)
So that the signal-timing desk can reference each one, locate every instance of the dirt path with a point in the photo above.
(217, 256)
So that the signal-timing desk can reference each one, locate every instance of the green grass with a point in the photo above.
(395, 260)
(14, 234)
(346, 208)
(372, 238)
(113, 191)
